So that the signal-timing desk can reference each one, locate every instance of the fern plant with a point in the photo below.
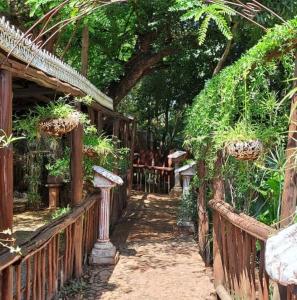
(197, 10)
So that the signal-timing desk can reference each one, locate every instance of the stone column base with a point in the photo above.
(176, 192)
(104, 254)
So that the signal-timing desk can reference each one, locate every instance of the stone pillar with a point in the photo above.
(176, 158)
(104, 252)
(176, 177)
(104, 215)
(186, 184)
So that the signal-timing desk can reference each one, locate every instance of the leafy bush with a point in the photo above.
(187, 209)
(60, 212)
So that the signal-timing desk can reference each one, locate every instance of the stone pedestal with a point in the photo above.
(104, 252)
(176, 158)
(186, 172)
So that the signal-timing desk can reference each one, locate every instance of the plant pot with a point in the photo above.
(245, 150)
(90, 152)
(54, 179)
(58, 127)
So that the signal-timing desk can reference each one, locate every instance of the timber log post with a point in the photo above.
(77, 165)
(6, 175)
(77, 193)
(289, 197)
(218, 195)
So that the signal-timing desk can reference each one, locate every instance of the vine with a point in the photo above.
(245, 101)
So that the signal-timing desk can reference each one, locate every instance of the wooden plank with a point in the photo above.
(254, 228)
(78, 238)
(28, 279)
(217, 260)
(18, 273)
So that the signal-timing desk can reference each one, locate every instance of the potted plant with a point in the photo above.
(58, 118)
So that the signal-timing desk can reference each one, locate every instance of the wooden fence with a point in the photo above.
(55, 254)
(239, 256)
(153, 179)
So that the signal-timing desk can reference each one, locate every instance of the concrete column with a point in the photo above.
(104, 216)
(186, 184)
(104, 252)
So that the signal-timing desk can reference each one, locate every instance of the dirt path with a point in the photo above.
(156, 260)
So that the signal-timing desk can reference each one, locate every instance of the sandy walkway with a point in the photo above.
(156, 260)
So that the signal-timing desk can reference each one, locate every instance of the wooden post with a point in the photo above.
(203, 222)
(99, 121)
(6, 174)
(132, 148)
(116, 127)
(77, 165)
(91, 114)
(289, 196)
(217, 259)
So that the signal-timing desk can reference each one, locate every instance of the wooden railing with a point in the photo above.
(55, 254)
(153, 179)
(239, 256)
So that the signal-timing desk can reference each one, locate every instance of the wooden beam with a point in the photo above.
(77, 165)
(6, 159)
(289, 196)
(6, 174)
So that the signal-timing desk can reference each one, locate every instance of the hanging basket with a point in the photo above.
(245, 150)
(90, 152)
(59, 127)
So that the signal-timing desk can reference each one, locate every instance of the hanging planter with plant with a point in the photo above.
(243, 142)
(245, 150)
(58, 118)
(57, 127)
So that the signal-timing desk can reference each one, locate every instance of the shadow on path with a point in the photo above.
(157, 261)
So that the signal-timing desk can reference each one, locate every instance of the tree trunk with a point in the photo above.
(289, 196)
(141, 63)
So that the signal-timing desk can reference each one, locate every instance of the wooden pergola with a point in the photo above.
(30, 75)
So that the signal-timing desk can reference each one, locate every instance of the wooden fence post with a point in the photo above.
(132, 148)
(77, 188)
(203, 222)
(218, 194)
(6, 174)
(289, 196)
(99, 121)
(218, 270)
(77, 165)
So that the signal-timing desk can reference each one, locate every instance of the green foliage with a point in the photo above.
(60, 167)
(28, 125)
(246, 101)
(221, 104)
(60, 212)
(5, 140)
(219, 13)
